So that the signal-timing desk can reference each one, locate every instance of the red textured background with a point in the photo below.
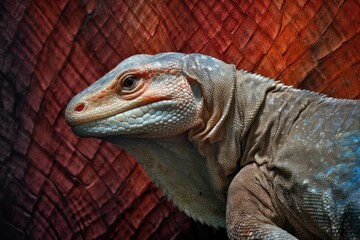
(54, 185)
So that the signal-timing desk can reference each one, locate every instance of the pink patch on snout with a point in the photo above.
(80, 107)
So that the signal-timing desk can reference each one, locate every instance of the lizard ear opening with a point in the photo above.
(195, 88)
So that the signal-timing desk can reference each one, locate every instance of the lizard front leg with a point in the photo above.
(251, 212)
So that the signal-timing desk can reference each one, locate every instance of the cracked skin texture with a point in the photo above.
(54, 185)
(283, 162)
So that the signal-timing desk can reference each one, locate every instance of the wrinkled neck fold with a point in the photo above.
(230, 107)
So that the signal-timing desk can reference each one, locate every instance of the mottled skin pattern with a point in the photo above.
(280, 162)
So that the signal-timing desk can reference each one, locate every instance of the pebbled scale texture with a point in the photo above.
(54, 185)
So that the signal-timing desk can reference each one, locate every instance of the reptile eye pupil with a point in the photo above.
(129, 82)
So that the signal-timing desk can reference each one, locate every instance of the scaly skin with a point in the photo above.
(282, 162)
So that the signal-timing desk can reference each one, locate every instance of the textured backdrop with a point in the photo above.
(54, 185)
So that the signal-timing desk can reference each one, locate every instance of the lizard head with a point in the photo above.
(146, 96)
(170, 111)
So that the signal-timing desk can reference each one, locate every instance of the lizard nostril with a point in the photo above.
(80, 107)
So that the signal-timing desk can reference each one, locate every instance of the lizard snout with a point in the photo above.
(72, 111)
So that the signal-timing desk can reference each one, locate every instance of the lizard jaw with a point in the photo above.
(81, 111)
(137, 121)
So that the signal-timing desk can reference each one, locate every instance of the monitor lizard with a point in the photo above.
(231, 148)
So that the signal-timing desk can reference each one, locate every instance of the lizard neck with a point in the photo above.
(230, 129)
(269, 110)
(177, 168)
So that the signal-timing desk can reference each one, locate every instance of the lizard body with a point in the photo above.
(231, 148)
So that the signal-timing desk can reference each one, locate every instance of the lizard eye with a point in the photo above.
(129, 82)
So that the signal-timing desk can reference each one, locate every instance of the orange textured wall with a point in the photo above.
(54, 185)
